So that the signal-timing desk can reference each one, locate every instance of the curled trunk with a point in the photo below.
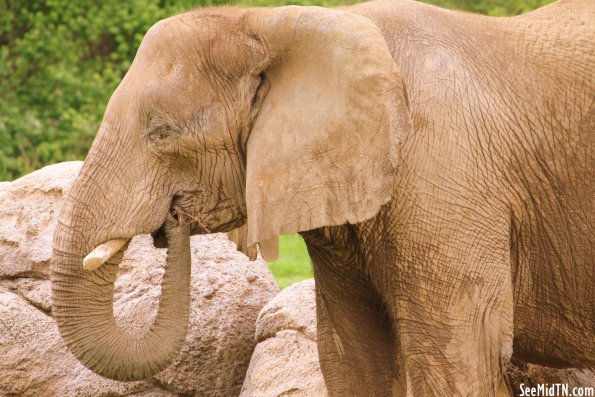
(83, 309)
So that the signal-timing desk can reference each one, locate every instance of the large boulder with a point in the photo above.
(228, 291)
(285, 361)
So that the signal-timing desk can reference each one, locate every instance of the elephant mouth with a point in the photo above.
(159, 239)
(104, 252)
(218, 220)
(201, 219)
(197, 226)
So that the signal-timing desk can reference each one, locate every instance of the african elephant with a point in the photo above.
(438, 164)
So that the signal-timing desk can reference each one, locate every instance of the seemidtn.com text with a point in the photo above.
(555, 390)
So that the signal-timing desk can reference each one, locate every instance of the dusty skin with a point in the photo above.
(438, 164)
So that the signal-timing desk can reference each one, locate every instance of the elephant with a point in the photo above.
(438, 164)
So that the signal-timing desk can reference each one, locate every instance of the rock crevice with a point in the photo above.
(285, 361)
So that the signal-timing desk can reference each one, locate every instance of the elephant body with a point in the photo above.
(438, 164)
(493, 212)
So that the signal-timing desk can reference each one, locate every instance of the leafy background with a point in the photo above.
(60, 60)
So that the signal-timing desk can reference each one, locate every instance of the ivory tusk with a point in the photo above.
(103, 253)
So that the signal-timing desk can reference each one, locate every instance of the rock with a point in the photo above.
(34, 361)
(228, 291)
(36, 292)
(29, 211)
(285, 361)
(573, 377)
(285, 365)
(156, 392)
(531, 375)
(294, 308)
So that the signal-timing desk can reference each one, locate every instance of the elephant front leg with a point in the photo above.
(454, 325)
(355, 346)
(355, 341)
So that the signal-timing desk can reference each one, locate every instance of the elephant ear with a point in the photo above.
(269, 249)
(239, 237)
(322, 150)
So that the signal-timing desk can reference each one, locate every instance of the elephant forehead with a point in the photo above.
(201, 38)
(145, 93)
(176, 92)
(167, 84)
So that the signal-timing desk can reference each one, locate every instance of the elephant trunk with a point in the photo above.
(83, 308)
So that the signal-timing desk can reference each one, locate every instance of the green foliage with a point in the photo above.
(60, 61)
(496, 8)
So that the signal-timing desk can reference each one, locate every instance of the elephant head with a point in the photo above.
(275, 120)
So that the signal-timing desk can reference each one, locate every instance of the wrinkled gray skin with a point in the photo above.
(439, 250)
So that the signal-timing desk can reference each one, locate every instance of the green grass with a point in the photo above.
(293, 264)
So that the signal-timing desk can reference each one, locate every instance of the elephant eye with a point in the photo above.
(159, 134)
(260, 92)
(160, 138)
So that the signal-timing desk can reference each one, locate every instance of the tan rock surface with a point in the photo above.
(28, 214)
(285, 361)
(530, 375)
(34, 291)
(574, 377)
(294, 308)
(228, 291)
(35, 362)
